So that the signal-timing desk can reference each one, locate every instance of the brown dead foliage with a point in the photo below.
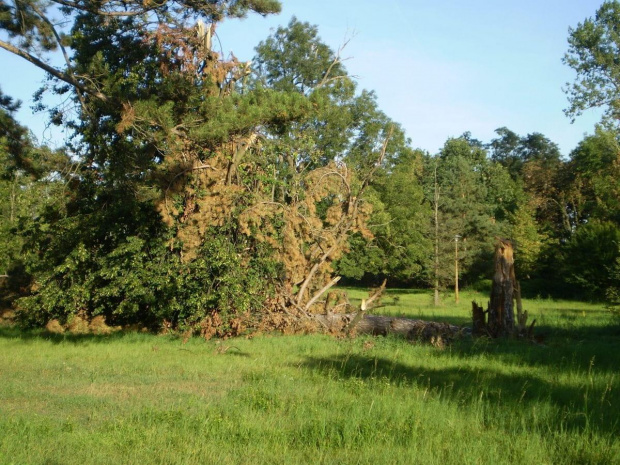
(80, 324)
(7, 317)
(368, 345)
(306, 220)
(98, 326)
(54, 327)
(214, 326)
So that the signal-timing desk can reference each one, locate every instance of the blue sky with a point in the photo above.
(438, 68)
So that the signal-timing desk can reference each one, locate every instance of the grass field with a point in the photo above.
(144, 399)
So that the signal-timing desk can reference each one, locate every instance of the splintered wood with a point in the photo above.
(499, 319)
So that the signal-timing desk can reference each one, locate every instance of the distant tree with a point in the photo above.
(530, 242)
(536, 147)
(469, 204)
(505, 150)
(405, 238)
(513, 151)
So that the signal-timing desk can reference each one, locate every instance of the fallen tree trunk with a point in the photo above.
(376, 325)
(360, 322)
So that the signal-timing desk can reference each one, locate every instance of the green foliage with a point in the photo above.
(613, 291)
(88, 265)
(404, 233)
(594, 46)
(31, 179)
(529, 240)
(294, 59)
(595, 169)
(590, 256)
(476, 198)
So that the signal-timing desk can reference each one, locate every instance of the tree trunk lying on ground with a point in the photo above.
(354, 323)
(361, 323)
(429, 331)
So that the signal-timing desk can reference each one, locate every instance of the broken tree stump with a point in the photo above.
(501, 318)
(479, 326)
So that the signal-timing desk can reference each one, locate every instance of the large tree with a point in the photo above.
(594, 47)
(593, 171)
(209, 198)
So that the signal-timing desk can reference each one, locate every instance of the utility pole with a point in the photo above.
(436, 208)
(456, 268)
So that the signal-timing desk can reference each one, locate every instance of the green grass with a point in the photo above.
(137, 398)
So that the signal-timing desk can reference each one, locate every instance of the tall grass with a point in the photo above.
(136, 398)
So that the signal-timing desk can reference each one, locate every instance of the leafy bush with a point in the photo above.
(482, 285)
(119, 263)
(589, 257)
(613, 291)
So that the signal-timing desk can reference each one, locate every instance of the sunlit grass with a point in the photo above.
(139, 398)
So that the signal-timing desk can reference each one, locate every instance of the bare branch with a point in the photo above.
(321, 292)
(366, 304)
(346, 222)
(314, 269)
(375, 295)
(68, 78)
(337, 60)
(101, 12)
(62, 48)
(378, 163)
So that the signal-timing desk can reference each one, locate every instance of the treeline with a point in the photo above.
(208, 195)
(562, 214)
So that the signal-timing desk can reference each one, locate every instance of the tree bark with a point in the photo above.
(376, 325)
(501, 320)
(479, 327)
(66, 77)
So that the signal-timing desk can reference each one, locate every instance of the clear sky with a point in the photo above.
(439, 68)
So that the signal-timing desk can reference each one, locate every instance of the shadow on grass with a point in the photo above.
(575, 349)
(395, 313)
(398, 292)
(505, 393)
(387, 292)
(15, 332)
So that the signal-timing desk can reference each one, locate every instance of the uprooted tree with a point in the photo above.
(210, 196)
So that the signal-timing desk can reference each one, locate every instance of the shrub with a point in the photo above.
(590, 256)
